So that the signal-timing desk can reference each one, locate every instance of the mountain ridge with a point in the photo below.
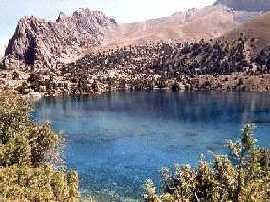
(193, 24)
(44, 44)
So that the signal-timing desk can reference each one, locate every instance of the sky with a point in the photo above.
(122, 10)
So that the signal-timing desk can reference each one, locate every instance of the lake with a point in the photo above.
(117, 141)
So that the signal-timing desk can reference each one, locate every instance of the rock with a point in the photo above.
(34, 96)
(42, 89)
(177, 86)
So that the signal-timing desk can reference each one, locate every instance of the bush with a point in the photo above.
(242, 175)
(29, 155)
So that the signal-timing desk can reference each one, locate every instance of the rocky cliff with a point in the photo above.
(41, 44)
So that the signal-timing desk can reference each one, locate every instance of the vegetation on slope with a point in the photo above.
(242, 175)
(29, 155)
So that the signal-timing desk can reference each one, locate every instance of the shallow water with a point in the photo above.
(117, 141)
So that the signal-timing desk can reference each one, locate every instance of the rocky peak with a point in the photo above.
(61, 17)
(86, 12)
(44, 44)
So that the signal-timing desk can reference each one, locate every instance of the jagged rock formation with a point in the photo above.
(45, 44)
(247, 5)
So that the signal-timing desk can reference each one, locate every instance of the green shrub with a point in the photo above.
(29, 155)
(242, 175)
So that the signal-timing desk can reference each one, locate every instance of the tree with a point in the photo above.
(29, 156)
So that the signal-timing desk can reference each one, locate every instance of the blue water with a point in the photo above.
(117, 141)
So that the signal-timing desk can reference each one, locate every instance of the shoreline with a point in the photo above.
(34, 86)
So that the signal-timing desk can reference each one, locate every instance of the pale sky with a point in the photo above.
(122, 10)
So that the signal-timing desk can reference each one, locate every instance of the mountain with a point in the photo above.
(257, 29)
(247, 5)
(194, 24)
(45, 44)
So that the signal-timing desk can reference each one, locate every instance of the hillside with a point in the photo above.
(194, 24)
(258, 28)
(204, 65)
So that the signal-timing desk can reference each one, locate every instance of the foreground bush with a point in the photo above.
(29, 155)
(242, 175)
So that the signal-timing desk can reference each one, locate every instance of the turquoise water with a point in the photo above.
(117, 141)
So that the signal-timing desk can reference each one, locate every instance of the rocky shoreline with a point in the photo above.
(37, 86)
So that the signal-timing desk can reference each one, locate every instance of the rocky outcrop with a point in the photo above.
(42, 44)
